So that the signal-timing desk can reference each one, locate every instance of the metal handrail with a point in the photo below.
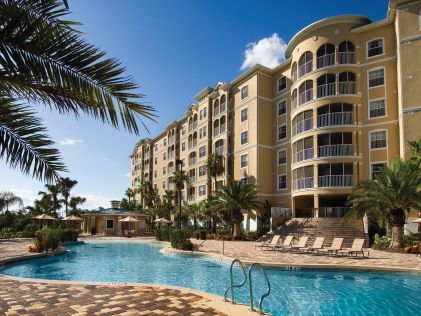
(232, 286)
(251, 288)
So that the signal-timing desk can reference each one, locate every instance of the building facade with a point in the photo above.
(342, 105)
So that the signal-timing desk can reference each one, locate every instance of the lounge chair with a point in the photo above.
(301, 243)
(333, 249)
(356, 248)
(273, 243)
(286, 244)
(317, 244)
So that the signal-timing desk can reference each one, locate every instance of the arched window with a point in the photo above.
(294, 98)
(325, 55)
(334, 114)
(223, 103)
(305, 63)
(346, 53)
(190, 141)
(190, 124)
(294, 71)
(302, 122)
(195, 121)
(223, 124)
(219, 147)
(216, 128)
(192, 158)
(326, 85)
(216, 108)
(305, 92)
(347, 83)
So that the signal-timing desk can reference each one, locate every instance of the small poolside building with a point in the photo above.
(107, 221)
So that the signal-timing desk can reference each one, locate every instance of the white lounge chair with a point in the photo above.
(317, 244)
(333, 249)
(356, 248)
(301, 243)
(273, 243)
(286, 244)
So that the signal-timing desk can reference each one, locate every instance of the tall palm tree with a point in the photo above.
(169, 196)
(193, 211)
(178, 178)
(209, 212)
(233, 199)
(389, 197)
(215, 166)
(130, 194)
(8, 198)
(45, 60)
(51, 196)
(74, 203)
(66, 185)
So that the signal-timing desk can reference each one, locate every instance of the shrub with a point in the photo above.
(381, 242)
(262, 229)
(163, 233)
(180, 239)
(411, 239)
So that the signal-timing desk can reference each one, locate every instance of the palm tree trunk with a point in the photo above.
(397, 221)
(237, 229)
(65, 204)
(397, 236)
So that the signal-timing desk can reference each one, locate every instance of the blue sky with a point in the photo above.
(173, 49)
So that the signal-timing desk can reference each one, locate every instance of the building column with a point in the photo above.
(354, 143)
(315, 123)
(315, 144)
(293, 206)
(355, 174)
(316, 175)
(316, 205)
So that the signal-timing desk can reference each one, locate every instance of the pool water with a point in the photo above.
(317, 292)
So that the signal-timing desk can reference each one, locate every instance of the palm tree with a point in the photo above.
(51, 197)
(169, 196)
(74, 203)
(234, 198)
(209, 212)
(215, 166)
(66, 185)
(129, 193)
(8, 198)
(415, 146)
(389, 197)
(193, 211)
(178, 178)
(45, 60)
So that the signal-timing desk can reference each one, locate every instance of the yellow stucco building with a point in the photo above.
(342, 105)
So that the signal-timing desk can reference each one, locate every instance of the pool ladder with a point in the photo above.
(232, 285)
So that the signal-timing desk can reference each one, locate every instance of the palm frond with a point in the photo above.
(24, 143)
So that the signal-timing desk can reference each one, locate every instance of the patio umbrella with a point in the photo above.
(128, 219)
(44, 217)
(74, 219)
(162, 221)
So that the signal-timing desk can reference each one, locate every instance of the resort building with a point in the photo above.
(343, 104)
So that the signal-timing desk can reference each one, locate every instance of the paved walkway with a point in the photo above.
(247, 252)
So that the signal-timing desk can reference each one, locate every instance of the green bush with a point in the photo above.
(411, 239)
(381, 242)
(262, 229)
(50, 238)
(180, 239)
(163, 233)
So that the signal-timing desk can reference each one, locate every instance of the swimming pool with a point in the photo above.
(327, 292)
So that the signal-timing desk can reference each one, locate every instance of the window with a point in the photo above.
(110, 224)
(244, 160)
(282, 107)
(183, 146)
(282, 181)
(156, 160)
(282, 83)
(376, 78)
(244, 114)
(165, 142)
(202, 190)
(155, 174)
(202, 170)
(244, 92)
(244, 180)
(378, 140)
(183, 130)
(377, 108)
(282, 157)
(282, 132)
(164, 156)
(376, 168)
(375, 47)
(202, 151)
(200, 114)
(163, 184)
(205, 112)
(244, 138)
(164, 170)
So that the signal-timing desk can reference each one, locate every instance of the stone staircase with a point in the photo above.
(328, 227)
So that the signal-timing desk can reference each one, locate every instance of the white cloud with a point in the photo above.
(93, 201)
(28, 196)
(269, 52)
(69, 141)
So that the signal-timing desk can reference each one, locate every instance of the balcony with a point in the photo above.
(219, 150)
(335, 150)
(192, 143)
(222, 107)
(222, 128)
(325, 60)
(294, 103)
(305, 69)
(325, 90)
(302, 126)
(347, 87)
(335, 181)
(305, 96)
(347, 57)
(303, 183)
(334, 211)
(334, 119)
(294, 76)
(215, 131)
(192, 197)
(215, 111)
(304, 155)
(192, 161)
(192, 179)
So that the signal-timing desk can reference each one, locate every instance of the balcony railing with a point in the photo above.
(335, 181)
(335, 211)
(294, 103)
(294, 76)
(215, 111)
(326, 60)
(325, 90)
(216, 131)
(336, 118)
(192, 179)
(192, 198)
(304, 69)
(347, 57)
(335, 150)
(303, 183)
(219, 150)
(192, 161)
(222, 128)
(347, 87)
(304, 154)
(305, 96)
(223, 107)
(302, 126)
